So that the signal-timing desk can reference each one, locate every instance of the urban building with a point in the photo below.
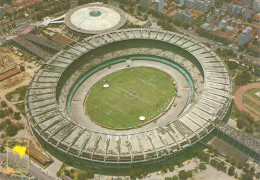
(181, 3)
(245, 36)
(184, 16)
(146, 3)
(256, 6)
(248, 3)
(212, 3)
(234, 9)
(201, 5)
(246, 13)
(158, 5)
(223, 23)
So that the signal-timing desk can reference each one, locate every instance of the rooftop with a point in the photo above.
(95, 18)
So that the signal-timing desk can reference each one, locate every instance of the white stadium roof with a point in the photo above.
(95, 18)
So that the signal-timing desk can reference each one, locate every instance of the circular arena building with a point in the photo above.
(56, 97)
(94, 19)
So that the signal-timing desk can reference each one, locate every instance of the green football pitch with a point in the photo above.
(132, 92)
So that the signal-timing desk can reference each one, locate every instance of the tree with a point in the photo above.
(17, 116)
(22, 68)
(232, 65)
(90, 174)
(231, 171)
(233, 162)
(2, 149)
(183, 175)
(249, 129)
(175, 177)
(171, 167)
(8, 122)
(243, 78)
(189, 174)
(132, 174)
(11, 130)
(2, 126)
(10, 110)
(252, 170)
(246, 167)
(72, 171)
(202, 166)
(179, 163)
(2, 114)
(257, 71)
(241, 123)
(3, 104)
(246, 176)
(38, 17)
(82, 176)
(164, 169)
(66, 172)
(58, 174)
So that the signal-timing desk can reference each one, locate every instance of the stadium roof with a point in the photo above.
(95, 18)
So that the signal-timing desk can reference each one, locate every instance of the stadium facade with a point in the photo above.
(49, 98)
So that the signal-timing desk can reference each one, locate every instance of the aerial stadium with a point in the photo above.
(129, 97)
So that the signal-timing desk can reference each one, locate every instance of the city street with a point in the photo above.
(34, 171)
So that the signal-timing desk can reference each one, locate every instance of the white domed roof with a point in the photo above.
(95, 18)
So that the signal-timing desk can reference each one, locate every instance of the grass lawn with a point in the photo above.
(254, 105)
(20, 90)
(253, 112)
(20, 106)
(251, 103)
(62, 169)
(132, 93)
(252, 92)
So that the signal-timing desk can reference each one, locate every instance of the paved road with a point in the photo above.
(34, 171)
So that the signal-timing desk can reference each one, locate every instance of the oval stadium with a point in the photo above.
(82, 101)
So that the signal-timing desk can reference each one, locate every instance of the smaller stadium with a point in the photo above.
(90, 19)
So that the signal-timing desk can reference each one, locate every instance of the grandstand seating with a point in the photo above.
(32, 48)
(44, 41)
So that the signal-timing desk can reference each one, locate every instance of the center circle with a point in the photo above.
(95, 13)
(119, 100)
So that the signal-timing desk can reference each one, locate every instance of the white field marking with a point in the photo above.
(163, 81)
(150, 107)
(157, 99)
(131, 94)
(98, 94)
(115, 107)
(110, 116)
